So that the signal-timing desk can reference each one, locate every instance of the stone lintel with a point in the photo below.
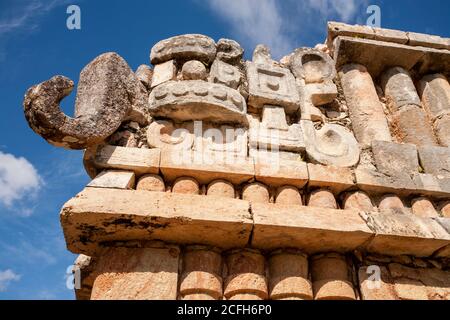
(106, 215)
(311, 229)
(378, 56)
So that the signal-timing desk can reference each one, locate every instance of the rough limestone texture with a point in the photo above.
(318, 176)
(198, 100)
(403, 283)
(136, 274)
(108, 90)
(368, 119)
(184, 47)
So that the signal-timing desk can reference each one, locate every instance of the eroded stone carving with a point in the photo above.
(198, 100)
(165, 135)
(272, 85)
(332, 145)
(184, 47)
(225, 74)
(229, 51)
(108, 93)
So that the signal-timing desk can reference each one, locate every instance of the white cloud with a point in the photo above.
(6, 277)
(282, 24)
(18, 179)
(23, 14)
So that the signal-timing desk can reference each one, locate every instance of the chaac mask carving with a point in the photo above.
(196, 79)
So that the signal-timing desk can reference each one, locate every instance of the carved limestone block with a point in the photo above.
(185, 47)
(315, 72)
(198, 100)
(228, 139)
(332, 145)
(312, 65)
(225, 74)
(229, 51)
(164, 72)
(275, 135)
(108, 93)
(165, 135)
(272, 85)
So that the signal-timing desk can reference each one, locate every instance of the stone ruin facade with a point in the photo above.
(325, 175)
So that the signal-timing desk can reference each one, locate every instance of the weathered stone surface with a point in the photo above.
(202, 274)
(392, 158)
(322, 198)
(382, 289)
(145, 74)
(391, 201)
(273, 133)
(312, 65)
(198, 100)
(399, 88)
(194, 70)
(108, 92)
(256, 193)
(426, 40)
(330, 276)
(228, 141)
(288, 195)
(184, 47)
(321, 93)
(229, 51)
(334, 178)
(288, 272)
(435, 160)
(99, 215)
(166, 136)
(445, 209)
(390, 35)
(245, 276)
(336, 29)
(164, 72)
(414, 126)
(221, 188)
(114, 179)
(84, 267)
(206, 168)
(424, 208)
(358, 200)
(262, 55)
(332, 145)
(225, 74)
(442, 127)
(435, 92)
(136, 274)
(140, 161)
(376, 182)
(311, 228)
(399, 234)
(379, 55)
(151, 182)
(281, 171)
(366, 112)
(272, 85)
(186, 185)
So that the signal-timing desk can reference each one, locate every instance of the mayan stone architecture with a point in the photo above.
(325, 175)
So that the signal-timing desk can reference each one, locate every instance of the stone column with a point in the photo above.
(366, 112)
(423, 207)
(322, 198)
(413, 124)
(435, 92)
(202, 274)
(288, 270)
(246, 276)
(136, 274)
(358, 200)
(331, 279)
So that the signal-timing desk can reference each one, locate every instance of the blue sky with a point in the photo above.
(36, 178)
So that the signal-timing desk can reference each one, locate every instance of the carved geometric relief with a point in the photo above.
(272, 85)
